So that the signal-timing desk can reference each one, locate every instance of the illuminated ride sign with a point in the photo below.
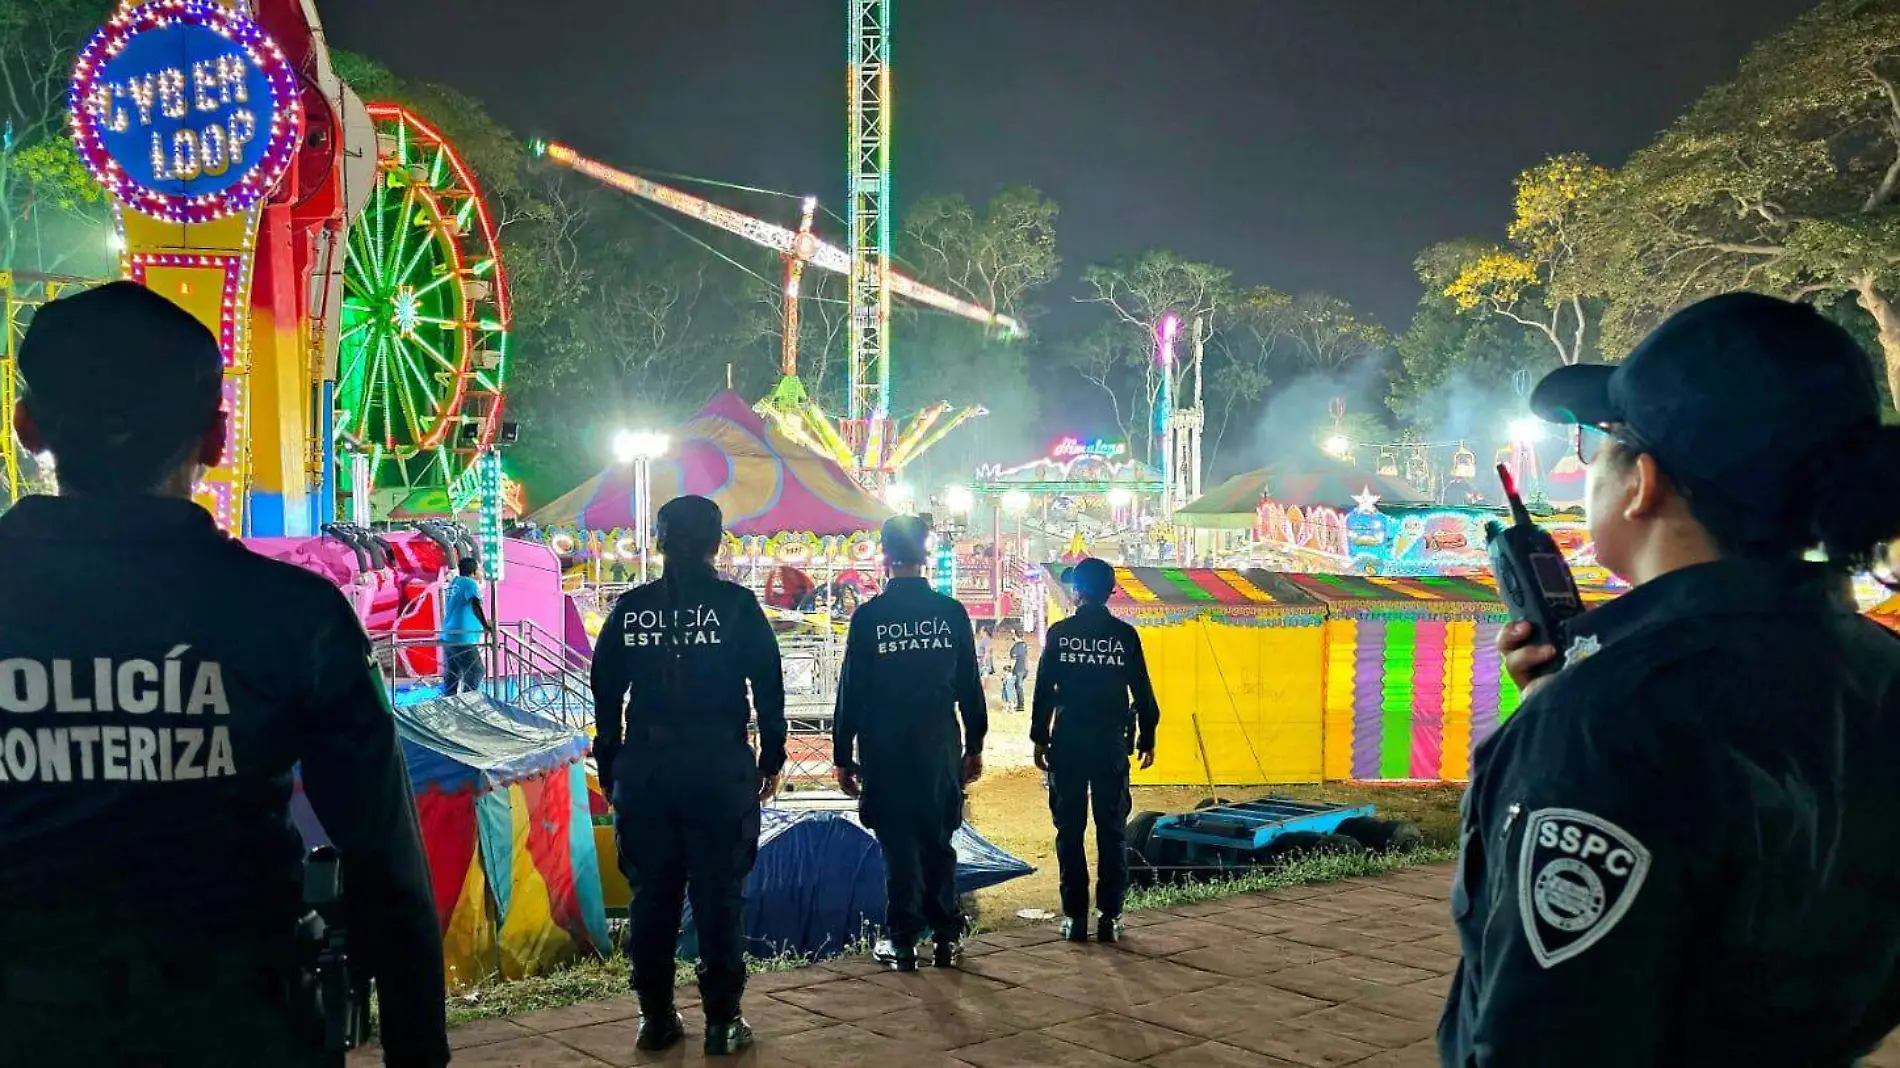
(185, 110)
(1073, 448)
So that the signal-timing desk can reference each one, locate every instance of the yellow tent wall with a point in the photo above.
(1240, 702)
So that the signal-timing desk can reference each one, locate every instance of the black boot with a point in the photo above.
(948, 952)
(1108, 929)
(725, 1039)
(660, 1030)
(1074, 929)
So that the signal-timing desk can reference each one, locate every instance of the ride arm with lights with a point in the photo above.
(779, 239)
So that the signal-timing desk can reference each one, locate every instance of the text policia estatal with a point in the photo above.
(1099, 651)
(125, 751)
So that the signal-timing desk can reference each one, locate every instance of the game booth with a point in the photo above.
(1277, 677)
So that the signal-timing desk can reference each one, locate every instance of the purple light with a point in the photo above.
(1165, 330)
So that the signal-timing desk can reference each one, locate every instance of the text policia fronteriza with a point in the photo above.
(165, 751)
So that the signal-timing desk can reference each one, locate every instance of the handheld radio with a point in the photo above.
(1532, 576)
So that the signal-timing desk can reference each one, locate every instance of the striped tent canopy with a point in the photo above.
(1160, 595)
(764, 482)
(1426, 597)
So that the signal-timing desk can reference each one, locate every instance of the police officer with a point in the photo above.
(1081, 725)
(670, 711)
(1681, 849)
(158, 682)
(909, 667)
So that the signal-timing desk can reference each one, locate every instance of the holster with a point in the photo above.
(336, 998)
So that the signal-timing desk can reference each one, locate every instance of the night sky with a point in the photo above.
(1306, 144)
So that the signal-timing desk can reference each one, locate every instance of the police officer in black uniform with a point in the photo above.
(909, 668)
(675, 758)
(1682, 849)
(158, 682)
(1081, 725)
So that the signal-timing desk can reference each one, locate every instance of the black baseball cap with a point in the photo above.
(119, 372)
(905, 540)
(1093, 579)
(690, 521)
(1731, 395)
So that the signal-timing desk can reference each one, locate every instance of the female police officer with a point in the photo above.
(1681, 850)
(669, 677)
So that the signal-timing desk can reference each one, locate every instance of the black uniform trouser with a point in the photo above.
(920, 864)
(211, 1009)
(1083, 777)
(686, 825)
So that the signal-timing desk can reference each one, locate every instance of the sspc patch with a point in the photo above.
(1577, 875)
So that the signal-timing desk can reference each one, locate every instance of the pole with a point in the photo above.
(996, 559)
(641, 490)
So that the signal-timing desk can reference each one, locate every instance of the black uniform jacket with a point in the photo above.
(684, 649)
(1090, 669)
(1684, 849)
(158, 681)
(909, 667)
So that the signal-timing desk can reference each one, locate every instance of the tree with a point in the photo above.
(1452, 363)
(1536, 281)
(995, 258)
(1328, 336)
(1240, 363)
(1141, 292)
(52, 216)
(1781, 180)
(1108, 358)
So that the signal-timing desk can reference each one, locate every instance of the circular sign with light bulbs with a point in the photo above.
(185, 110)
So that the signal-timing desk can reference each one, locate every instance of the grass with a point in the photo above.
(1301, 871)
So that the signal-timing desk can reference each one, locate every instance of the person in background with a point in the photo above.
(909, 668)
(151, 881)
(1681, 849)
(1092, 668)
(464, 624)
(1018, 670)
(669, 677)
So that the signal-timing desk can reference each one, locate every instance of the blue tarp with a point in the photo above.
(818, 885)
(472, 740)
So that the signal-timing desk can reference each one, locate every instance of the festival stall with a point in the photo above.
(1413, 676)
(1236, 658)
(1268, 677)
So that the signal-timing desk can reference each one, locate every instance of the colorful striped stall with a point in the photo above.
(1413, 676)
(1270, 677)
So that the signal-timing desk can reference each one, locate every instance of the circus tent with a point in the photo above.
(763, 481)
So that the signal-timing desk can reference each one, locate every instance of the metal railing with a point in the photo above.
(522, 665)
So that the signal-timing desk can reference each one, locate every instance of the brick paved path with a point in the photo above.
(1346, 974)
(1349, 973)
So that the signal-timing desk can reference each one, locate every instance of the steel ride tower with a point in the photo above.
(868, 181)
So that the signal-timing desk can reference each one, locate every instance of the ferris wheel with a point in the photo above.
(423, 330)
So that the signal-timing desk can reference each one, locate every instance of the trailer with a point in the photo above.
(1226, 835)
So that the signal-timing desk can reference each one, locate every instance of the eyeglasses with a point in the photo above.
(1590, 441)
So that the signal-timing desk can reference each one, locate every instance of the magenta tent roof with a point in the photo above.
(763, 481)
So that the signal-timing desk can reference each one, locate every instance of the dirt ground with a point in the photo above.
(1010, 807)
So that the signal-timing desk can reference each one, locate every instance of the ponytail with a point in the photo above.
(1854, 506)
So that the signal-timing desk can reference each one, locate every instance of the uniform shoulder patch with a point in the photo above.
(1577, 875)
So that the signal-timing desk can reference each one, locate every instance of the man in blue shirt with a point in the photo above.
(463, 625)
